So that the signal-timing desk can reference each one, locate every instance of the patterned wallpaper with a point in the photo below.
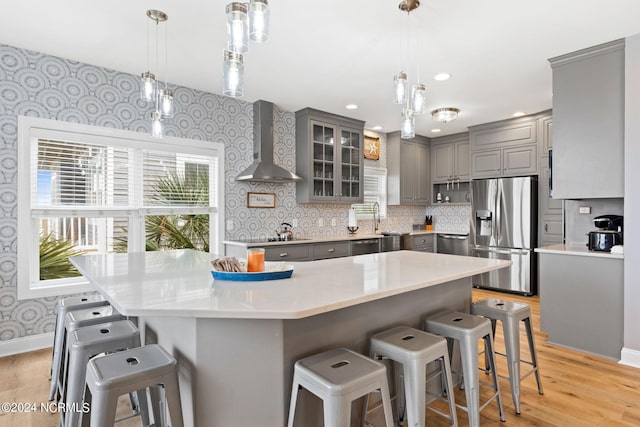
(39, 85)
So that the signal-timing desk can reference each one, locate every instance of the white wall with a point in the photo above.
(631, 350)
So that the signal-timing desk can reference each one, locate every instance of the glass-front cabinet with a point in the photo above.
(328, 158)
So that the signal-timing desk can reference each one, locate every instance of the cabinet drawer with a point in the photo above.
(330, 250)
(423, 243)
(288, 252)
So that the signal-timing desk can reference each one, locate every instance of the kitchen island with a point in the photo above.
(236, 342)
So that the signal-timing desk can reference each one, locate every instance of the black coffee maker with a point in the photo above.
(609, 233)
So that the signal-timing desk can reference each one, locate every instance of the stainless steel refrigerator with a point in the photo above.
(504, 218)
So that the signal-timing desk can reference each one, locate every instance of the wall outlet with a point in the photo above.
(320, 222)
(333, 222)
(294, 222)
(584, 209)
(229, 225)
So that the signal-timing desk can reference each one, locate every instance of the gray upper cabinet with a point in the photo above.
(588, 122)
(450, 158)
(506, 148)
(329, 158)
(408, 162)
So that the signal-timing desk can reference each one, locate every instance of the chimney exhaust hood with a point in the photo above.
(263, 169)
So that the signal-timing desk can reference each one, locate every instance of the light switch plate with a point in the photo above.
(229, 225)
(320, 222)
(584, 209)
(333, 222)
(294, 222)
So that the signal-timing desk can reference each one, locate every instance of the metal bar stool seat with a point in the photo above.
(467, 329)
(64, 306)
(414, 349)
(339, 377)
(85, 343)
(511, 313)
(77, 319)
(113, 375)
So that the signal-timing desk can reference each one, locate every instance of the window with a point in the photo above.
(85, 189)
(375, 190)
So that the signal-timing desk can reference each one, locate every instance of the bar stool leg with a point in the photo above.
(447, 381)
(415, 389)
(172, 388)
(468, 350)
(512, 343)
(386, 403)
(294, 398)
(489, 348)
(532, 349)
(105, 417)
(337, 411)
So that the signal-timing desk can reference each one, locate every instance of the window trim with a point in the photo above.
(33, 127)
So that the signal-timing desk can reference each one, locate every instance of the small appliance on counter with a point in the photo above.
(608, 235)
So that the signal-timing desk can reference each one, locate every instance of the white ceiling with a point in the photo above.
(326, 54)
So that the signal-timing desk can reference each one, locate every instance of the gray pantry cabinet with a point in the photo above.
(505, 148)
(329, 158)
(588, 116)
(550, 223)
(408, 176)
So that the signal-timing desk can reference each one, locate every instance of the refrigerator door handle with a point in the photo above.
(454, 236)
(502, 251)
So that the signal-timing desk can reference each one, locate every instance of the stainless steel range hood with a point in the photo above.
(263, 169)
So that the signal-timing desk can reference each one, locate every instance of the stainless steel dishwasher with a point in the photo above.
(368, 246)
(454, 244)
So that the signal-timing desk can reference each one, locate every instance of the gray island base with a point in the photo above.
(236, 342)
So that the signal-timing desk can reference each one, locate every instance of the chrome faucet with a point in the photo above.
(376, 223)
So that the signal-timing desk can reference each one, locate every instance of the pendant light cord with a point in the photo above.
(166, 54)
(156, 67)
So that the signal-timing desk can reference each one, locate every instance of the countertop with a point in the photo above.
(561, 249)
(350, 237)
(179, 283)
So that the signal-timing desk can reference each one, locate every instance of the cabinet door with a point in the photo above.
(423, 176)
(520, 160)
(330, 250)
(461, 157)
(486, 163)
(349, 173)
(547, 135)
(548, 205)
(323, 139)
(443, 162)
(408, 175)
(288, 252)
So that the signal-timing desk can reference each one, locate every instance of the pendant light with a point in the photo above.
(149, 86)
(259, 21)
(245, 21)
(408, 127)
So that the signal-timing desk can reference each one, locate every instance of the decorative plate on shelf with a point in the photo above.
(273, 271)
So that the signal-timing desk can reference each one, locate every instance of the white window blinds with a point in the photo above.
(375, 190)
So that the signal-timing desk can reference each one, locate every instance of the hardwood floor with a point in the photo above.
(580, 389)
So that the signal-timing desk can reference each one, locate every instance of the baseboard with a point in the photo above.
(26, 344)
(630, 357)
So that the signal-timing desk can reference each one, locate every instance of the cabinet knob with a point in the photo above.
(284, 254)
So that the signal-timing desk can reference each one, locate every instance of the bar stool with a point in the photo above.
(467, 329)
(85, 343)
(77, 319)
(414, 349)
(511, 313)
(338, 377)
(113, 375)
(63, 306)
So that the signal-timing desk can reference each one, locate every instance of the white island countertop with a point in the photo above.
(179, 283)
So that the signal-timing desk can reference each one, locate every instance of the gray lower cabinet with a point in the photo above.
(330, 250)
(288, 253)
(588, 122)
(581, 302)
(408, 176)
(423, 243)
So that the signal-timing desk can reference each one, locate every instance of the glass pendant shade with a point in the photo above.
(233, 74)
(408, 127)
(148, 87)
(400, 88)
(166, 103)
(418, 101)
(237, 28)
(156, 124)
(259, 21)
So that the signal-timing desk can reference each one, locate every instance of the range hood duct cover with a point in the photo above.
(263, 169)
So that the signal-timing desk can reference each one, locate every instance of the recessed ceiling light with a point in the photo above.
(351, 106)
(377, 128)
(519, 114)
(435, 130)
(442, 77)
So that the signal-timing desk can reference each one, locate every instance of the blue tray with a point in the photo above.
(252, 277)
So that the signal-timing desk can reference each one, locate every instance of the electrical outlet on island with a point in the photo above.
(584, 209)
